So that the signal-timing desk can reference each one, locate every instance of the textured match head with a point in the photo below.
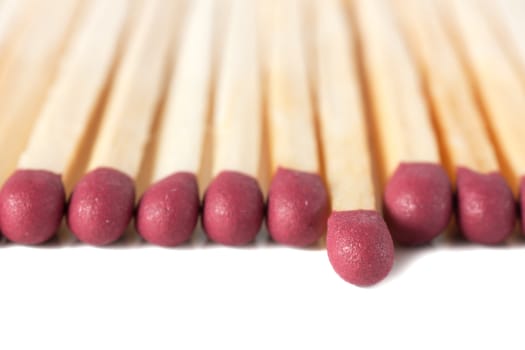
(233, 209)
(31, 206)
(359, 246)
(168, 211)
(486, 210)
(101, 206)
(417, 202)
(297, 207)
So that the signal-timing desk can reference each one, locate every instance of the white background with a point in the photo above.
(448, 295)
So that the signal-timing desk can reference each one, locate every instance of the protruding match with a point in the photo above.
(297, 199)
(359, 245)
(32, 199)
(418, 195)
(485, 210)
(102, 202)
(169, 209)
(233, 207)
(495, 80)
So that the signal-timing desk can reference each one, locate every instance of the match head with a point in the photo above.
(32, 205)
(233, 209)
(417, 202)
(297, 207)
(486, 210)
(359, 246)
(101, 206)
(168, 211)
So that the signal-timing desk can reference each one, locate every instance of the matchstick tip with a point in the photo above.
(233, 209)
(486, 210)
(169, 209)
(522, 204)
(101, 206)
(359, 246)
(32, 205)
(297, 207)
(417, 202)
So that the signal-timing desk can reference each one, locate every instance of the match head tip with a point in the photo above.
(359, 246)
(101, 206)
(233, 209)
(297, 207)
(417, 202)
(486, 210)
(168, 211)
(32, 205)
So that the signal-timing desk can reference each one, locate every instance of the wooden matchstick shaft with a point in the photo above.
(136, 92)
(182, 127)
(237, 124)
(458, 119)
(344, 135)
(29, 73)
(401, 120)
(291, 124)
(55, 141)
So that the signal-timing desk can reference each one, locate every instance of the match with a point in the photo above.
(32, 200)
(495, 81)
(359, 245)
(102, 202)
(417, 198)
(169, 209)
(233, 206)
(485, 205)
(297, 204)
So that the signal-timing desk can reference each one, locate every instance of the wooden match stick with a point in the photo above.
(233, 207)
(359, 244)
(460, 128)
(168, 210)
(506, 16)
(15, 17)
(29, 73)
(102, 202)
(495, 81)
(418, 194)
(297, 199)
(32, 199)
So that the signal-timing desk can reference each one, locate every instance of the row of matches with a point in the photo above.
(358, 107)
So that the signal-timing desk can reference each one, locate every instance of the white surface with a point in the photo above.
(202, 296)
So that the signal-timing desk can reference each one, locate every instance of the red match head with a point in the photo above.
(417, 202)
(168, 211)
(31, 206)
(359, 246)
(101, 206)
(233, 209)
(297, 207)
(486, 210)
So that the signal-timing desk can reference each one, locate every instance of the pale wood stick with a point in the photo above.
(344, 134)
(290, 118)
(507, 16)
(15, 17)
(182, 127)
(401, 120)
(458, 119)
(29, 73)
(499, 87)
(136, 93)
(237, 117)
(55, 142)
